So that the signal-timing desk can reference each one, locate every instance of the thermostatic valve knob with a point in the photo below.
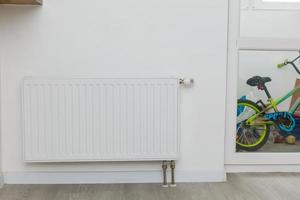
(186, 81)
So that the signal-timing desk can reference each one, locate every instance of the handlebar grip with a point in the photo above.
(281, 65)
(286, 62)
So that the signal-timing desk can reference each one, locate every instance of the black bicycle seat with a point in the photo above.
(257, 80)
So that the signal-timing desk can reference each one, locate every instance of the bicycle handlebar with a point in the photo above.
(287, 62)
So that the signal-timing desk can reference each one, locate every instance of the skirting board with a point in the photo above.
(261, 168)
(109, 177)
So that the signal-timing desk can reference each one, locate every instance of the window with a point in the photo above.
(277, 4)
(253, 41)
(282, 1)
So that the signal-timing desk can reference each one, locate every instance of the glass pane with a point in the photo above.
(258, 17)
(267, 131)
(282, 1)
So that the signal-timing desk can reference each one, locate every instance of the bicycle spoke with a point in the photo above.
(239, 139)
(261, 129)
(250, 136)
(254, 139)
(246, 139)
(255, 134)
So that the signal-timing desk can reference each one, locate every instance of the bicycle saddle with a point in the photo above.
(257, 80)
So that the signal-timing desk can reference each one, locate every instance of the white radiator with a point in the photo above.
(67, 120)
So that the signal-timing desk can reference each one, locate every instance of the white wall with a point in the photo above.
(131, 37)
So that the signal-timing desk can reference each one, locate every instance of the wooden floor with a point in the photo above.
(250, 186)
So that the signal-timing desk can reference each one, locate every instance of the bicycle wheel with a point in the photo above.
(249, 137)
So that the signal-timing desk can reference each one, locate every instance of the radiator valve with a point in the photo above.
(186, 81)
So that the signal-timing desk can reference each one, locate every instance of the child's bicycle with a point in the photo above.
(254, 119)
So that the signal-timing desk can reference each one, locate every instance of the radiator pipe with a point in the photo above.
(164, 168)
(172, 166)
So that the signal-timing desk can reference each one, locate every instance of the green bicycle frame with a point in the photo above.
(273, 105)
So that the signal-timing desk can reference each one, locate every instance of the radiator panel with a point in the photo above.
(67, 120)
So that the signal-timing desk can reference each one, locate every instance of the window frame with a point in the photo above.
(261, 5)
(252, 161)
